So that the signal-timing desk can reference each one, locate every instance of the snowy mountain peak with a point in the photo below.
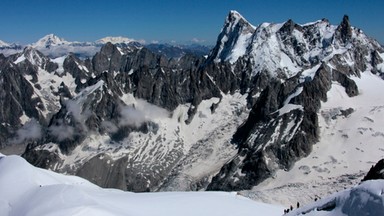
(115, 40)
(36, 58)
(287, 48)
(48, 41)
(233, 39)
(49, 193)
(235, 21)
(234, 15)
(3, 44)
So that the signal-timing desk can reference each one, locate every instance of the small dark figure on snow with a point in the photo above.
(315, 199)
(298, 205)
(291, 208)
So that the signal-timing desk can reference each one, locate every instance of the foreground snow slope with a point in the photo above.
(26, 190)
(365, 199)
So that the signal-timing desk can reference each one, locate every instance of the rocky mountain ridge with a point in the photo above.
(140, 121)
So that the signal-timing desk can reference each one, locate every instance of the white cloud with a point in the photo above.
(30, 131)
(142, 41)
(62, 132)
(141, 112)
(109, 127)
(196, 40)
(131, 116)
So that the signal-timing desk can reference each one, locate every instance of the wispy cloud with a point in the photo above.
(131, 117)
(30, 131)
(142, 41)
(196, 40)
(141, 112)
(109, 127)
(62, 132)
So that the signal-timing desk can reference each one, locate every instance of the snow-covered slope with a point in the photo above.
(364, 199)
(26, 190)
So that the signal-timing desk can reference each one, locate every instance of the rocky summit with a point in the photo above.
(135, 119)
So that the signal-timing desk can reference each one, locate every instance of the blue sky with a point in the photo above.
(180, 21)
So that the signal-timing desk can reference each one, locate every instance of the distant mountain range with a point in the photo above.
(54, 46)
(9, 49)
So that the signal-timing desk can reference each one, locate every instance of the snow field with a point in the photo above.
(26, 190)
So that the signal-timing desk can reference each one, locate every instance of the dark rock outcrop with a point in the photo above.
(16, 100)
(344, 30)
(376, 171)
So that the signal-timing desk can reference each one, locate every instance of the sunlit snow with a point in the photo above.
(26, 190)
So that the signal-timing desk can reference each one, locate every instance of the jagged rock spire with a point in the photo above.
(344, 30)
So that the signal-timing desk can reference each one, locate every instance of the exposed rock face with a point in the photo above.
(17, 100)
(134, 119)
(376, 172)
(344, 30)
